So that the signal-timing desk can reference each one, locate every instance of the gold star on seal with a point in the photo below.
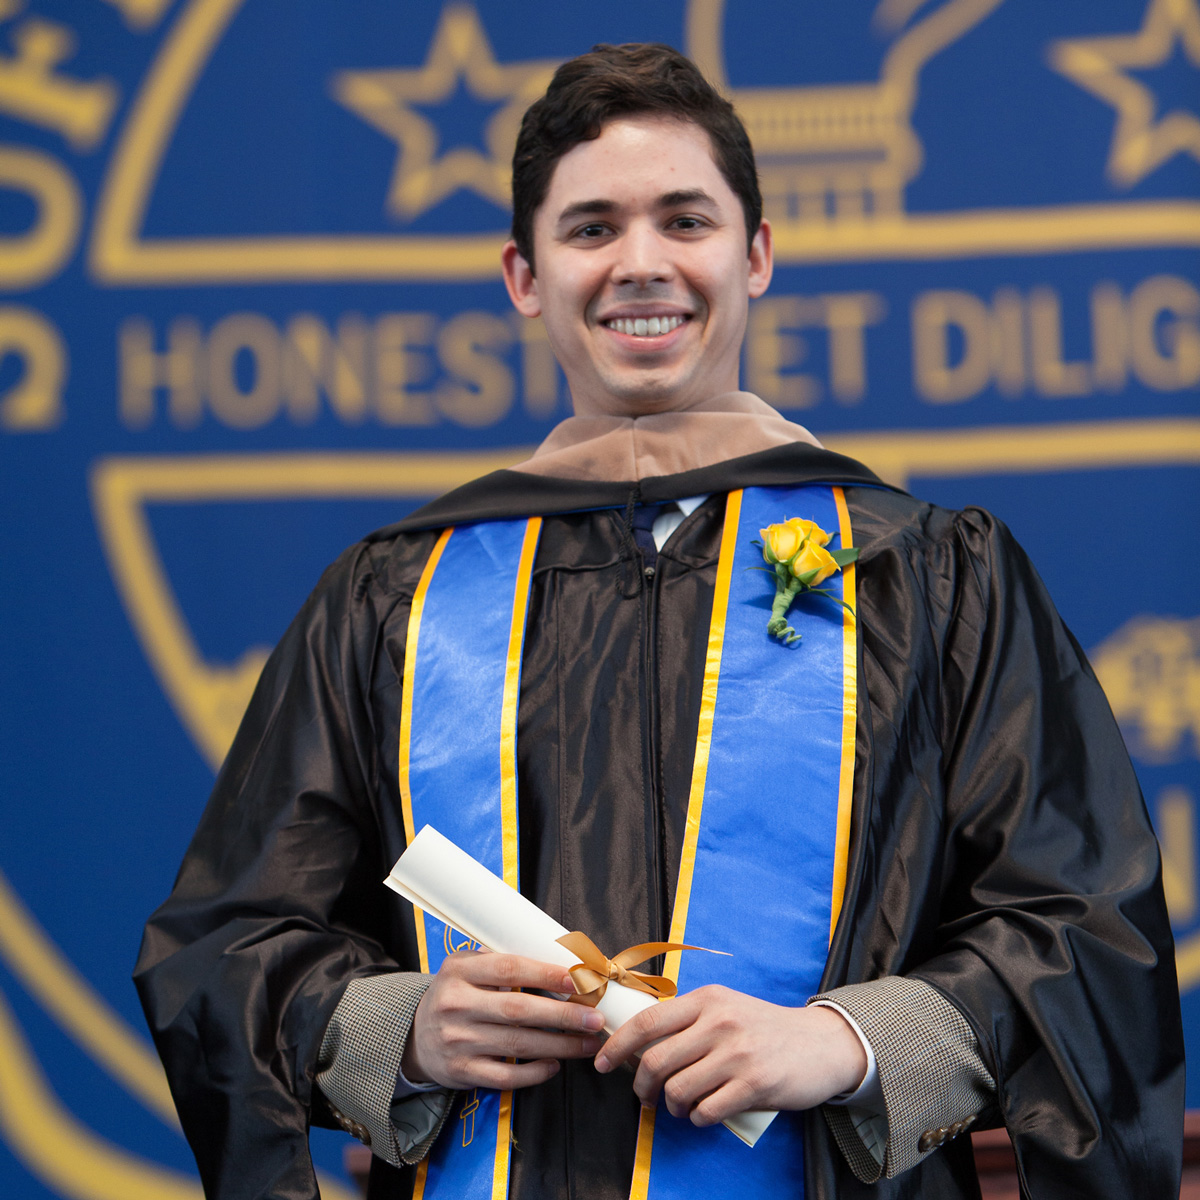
(385, 99)
(1140, 143)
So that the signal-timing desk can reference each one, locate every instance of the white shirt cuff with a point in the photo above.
(405, 1087)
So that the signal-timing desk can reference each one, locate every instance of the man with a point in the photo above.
(999, 949)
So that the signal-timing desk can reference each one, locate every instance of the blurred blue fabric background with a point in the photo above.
(252, 309)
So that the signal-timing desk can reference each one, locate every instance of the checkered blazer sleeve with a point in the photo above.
(934, 1082)
(358, 1069)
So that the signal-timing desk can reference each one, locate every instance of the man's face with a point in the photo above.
(643, 279)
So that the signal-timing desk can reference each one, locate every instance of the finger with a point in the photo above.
(665, 1060)
(685, 1088)
(658, 1021)
(734, 1097)
(509, 1041)
(509, 971)
(493, 1073)
(521, 1008)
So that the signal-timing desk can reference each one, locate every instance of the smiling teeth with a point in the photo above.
(645, 326)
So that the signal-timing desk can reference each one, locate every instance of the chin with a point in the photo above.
(648, 398)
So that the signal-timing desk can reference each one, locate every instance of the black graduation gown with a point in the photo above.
(1000, 851)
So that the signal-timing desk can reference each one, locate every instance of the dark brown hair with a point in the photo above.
(621, 81)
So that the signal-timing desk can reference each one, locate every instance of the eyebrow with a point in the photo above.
(586, 208)
(686, 196)
(600, 207)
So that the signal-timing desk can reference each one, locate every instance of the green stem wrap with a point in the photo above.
(785, 593)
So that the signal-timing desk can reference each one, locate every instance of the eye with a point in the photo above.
(688, 224)
(591, 231)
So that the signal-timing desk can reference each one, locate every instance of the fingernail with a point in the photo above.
(603, 1065)
(593, 1020)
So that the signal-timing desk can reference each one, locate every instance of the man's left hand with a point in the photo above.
(715, 1052)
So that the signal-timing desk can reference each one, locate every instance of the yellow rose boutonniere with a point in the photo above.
(795, 552)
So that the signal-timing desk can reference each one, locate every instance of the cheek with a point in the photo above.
(570, 293)
(723, 284)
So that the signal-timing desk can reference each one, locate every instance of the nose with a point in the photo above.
(643, 256)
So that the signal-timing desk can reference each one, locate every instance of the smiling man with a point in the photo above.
(643, 269)
(906, 817)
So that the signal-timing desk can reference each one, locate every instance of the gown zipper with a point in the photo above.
(658, 901)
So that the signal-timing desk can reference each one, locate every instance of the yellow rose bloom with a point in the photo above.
(810, 529)
(780, 542)
(814, 558)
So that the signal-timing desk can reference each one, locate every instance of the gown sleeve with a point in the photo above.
(242, 967)
(1052, 934)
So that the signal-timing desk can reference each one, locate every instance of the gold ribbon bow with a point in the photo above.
(594, 973)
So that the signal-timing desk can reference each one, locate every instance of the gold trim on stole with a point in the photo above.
(406, 708)
(841, 852)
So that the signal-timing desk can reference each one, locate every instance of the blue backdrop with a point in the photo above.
(252, 309)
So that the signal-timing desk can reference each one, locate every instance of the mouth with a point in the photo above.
(645, 327)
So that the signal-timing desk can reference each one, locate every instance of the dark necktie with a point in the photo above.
(642, 524)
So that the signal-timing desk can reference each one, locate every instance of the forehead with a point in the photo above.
(635, 161)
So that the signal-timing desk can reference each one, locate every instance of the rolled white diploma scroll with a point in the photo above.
(451, 886)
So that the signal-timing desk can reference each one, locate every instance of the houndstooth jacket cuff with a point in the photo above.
(933, 1079)
(358, 1069)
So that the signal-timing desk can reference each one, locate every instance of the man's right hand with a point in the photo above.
(470, 1021)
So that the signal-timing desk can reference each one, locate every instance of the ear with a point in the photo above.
(520, 281)
(762, 260)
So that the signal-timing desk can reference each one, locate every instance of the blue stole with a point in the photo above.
(765, 845)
